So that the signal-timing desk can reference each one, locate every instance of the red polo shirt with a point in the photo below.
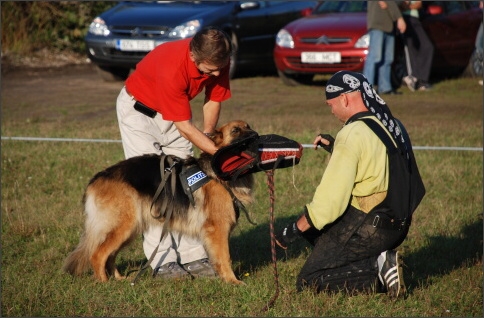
(166, 80)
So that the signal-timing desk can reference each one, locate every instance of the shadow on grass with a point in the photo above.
(251, 249)
(442, 255)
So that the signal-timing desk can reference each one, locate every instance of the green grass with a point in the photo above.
(42, 185)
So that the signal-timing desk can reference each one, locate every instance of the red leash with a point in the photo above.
(270, 183)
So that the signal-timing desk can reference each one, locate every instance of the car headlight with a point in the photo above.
(99, 27)
(284, 39)
(185, 30)
(363, 42)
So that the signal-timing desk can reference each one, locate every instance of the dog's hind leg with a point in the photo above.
(118, 225)
(111, 262)
(111, 267)
(100, 257)
(104, 257)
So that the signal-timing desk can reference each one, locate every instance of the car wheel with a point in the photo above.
(113, 74)
(295, 79)
(474, 68)
(233, 58)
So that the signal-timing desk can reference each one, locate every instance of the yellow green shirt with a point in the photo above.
(357, 169)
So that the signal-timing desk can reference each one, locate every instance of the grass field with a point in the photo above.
(42, 218)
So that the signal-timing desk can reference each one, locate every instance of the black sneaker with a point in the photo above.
(171, 270)
(390, 273)
(423, 86)
(200, 268)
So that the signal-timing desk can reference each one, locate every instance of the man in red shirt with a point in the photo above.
(154, 116)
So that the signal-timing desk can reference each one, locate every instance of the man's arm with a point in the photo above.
(211, 113)
(396, 15)
(195, 136)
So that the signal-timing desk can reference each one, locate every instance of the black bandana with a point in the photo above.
(346, 82)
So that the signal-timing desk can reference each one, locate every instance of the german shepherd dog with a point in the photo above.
(118, 207)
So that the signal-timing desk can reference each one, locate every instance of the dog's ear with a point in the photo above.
(217, 137)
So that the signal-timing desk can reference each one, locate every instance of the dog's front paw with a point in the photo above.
(239, 282)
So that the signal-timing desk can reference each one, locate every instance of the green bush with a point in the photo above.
(34, 25)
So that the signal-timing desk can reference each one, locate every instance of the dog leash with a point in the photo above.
(166, 173)
(270, 184)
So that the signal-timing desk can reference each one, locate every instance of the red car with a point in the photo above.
(334, 37)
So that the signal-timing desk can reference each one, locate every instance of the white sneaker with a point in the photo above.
(410, 81)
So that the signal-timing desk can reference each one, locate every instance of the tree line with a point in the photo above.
(57, 25)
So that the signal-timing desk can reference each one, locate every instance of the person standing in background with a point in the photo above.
(480, 41)
(420, 48)
(381, 16)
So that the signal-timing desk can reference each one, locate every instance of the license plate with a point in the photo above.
(321, 57)
(135, 45)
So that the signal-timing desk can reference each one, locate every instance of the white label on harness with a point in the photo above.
(194, 178)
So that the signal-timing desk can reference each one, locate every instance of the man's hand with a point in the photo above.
(325, 141)
(288, 235)
(401, 25)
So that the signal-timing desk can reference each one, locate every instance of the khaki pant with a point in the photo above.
(140, 135)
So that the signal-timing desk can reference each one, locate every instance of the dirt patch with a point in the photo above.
(43, 84)
(41, 59)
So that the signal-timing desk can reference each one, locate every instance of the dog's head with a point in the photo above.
(232, 132)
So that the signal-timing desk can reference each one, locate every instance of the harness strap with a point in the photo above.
(239, 206)
(170, 172)
(166, 173)
(384, 137)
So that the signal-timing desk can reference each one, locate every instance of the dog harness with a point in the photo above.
(168, 166)
(192, 178)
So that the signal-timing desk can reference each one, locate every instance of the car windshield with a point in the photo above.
(341, 6)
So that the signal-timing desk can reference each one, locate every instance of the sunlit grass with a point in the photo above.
(42, 218)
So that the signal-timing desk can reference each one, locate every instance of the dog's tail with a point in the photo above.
(78, 261)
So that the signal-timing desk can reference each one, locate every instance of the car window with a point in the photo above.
(451, 7)
(341, 6)
(472, 4)
(258, 4)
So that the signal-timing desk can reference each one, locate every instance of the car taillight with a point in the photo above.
(306, 12)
